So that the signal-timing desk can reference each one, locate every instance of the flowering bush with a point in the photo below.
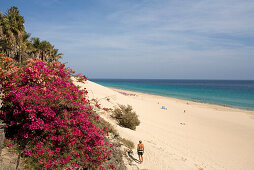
(8, 67)
(81, 78)
(49, 117)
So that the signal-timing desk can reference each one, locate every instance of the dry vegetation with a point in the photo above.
(129, 144)
(126, 117)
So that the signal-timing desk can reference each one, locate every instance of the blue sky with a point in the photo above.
(174, 39)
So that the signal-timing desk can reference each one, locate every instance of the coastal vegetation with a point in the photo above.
(126, 117)
(107, 127)
(49, 121)
(129, 144)
(16, 43)
(48, 118)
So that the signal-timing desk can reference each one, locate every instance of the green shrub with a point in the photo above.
(126, 117)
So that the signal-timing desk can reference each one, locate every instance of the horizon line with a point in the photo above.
(167, 79)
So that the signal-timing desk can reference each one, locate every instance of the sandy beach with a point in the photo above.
(184, 135)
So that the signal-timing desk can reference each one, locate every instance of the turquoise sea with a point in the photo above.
(234, 93)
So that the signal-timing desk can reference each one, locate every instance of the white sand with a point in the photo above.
(204, 136)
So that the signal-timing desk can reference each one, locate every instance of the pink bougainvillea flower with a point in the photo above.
(49, 116)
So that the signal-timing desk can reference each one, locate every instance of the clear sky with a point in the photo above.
(174, 39)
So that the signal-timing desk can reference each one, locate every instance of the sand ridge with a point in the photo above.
(185, 135)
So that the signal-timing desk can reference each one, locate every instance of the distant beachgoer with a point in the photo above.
(140, 150)
(184, 111)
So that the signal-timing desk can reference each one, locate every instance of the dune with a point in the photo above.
(185, 135)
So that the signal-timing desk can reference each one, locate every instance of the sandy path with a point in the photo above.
(204, 136)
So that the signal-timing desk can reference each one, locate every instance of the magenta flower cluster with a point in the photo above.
(49, 118)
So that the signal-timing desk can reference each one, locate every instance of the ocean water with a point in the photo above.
(234, 93)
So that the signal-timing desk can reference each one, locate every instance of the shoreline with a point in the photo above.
(185, 135)
(205, 104)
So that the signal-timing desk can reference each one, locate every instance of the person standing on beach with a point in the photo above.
(140, 150)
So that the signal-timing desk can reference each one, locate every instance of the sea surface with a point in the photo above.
(234, 93)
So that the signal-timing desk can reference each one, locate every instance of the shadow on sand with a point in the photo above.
(134, 159)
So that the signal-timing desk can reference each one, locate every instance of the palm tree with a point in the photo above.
(55, 55)
(26, 46)
(2, 41)
(17, 28)
(1, 29)
(14, 40)
(13, 29)
(7, 35)
(45, 48)
(36, 44)
(42, 49)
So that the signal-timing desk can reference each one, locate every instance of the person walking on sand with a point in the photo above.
(140, 150)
